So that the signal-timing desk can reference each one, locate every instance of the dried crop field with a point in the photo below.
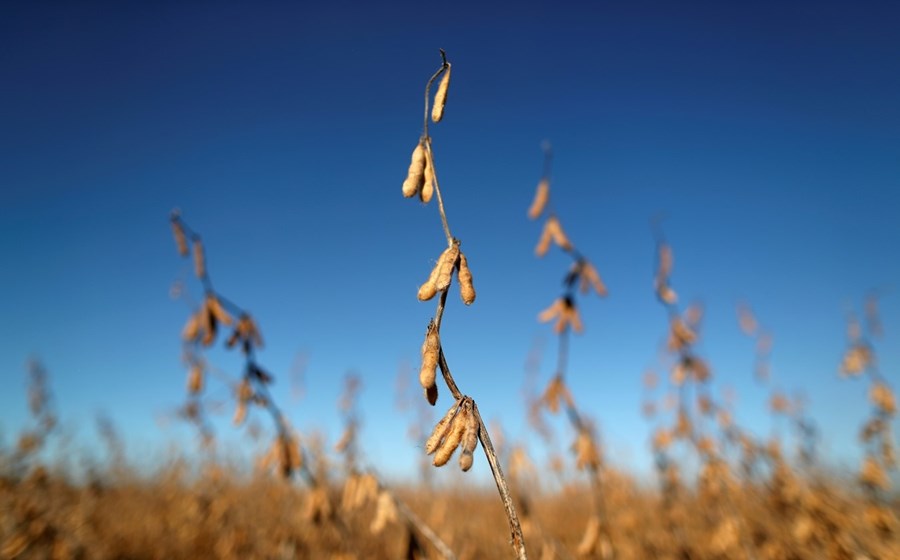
(719, 491)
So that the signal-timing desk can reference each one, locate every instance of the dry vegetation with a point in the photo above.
(720, 492)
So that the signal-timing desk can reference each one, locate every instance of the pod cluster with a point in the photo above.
(450, 261)
(458, 428)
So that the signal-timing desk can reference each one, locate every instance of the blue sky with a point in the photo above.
(768, 134)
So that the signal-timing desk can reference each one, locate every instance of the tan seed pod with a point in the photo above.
(666, 261)
(191, 330)
(215, 307)
(466, 289)
(559, 236)
(591, 278)
(662, 439)
(415, 176)
(680, 335)
(441, 429)
(591, 537)
(556, 390)
(666, 294)
(544, 242)
(440, 98)
(587, 456)
(180, 239)
(427, 190)
(199, 258)
(699, 370)
(208, 324)
(873, 475)
(385, 512)
(195, 379)
(856, 360)
(541, 196)
(779, 404)
(240, 413)
(552, 312)
(568, 316)
(441, 274)
(348, 495)
(746, 320)
(427, 374)
(345, 440)
(882, 397)
(469, 442)
(454, 437)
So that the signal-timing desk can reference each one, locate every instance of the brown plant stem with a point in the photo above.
(517, 539)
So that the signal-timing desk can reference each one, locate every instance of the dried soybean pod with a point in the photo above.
(428, 187)
(469, 441)
(195, 380)
(454, 437)
(466, 289)
(180, 239)
(553, 311)
(440, 98)
(429, 288)
(192, 327)
(430, 350)
(199, 258)
(440, 274)
(557, 234)
(590, 275)
(541, 196)
(544, 242)
(415, 176)
(440, 430)
(447, 263)
(217, 310)
(208, 322)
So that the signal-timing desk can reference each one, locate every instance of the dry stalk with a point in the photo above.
(439, 282)
(581, 277)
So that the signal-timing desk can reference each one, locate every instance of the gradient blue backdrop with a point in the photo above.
(768, 134)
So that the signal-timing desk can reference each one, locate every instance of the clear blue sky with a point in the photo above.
(768, 134)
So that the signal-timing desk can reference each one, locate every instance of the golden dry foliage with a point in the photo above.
(440, 98)
(541, 197)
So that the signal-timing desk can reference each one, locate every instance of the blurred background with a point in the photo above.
(766, 135)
